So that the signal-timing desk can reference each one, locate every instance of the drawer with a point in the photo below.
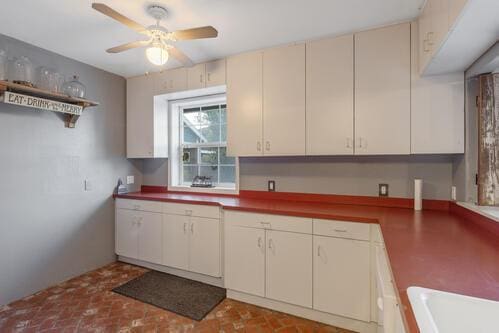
(142, 205)
(191, 210)
(342, 229)
(271, 222)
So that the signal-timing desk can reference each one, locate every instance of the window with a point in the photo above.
(201, 143)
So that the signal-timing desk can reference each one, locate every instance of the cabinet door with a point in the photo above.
(204, 256)
(425, 47)
(196, 77)
(436, 100)
(176, 241)
(140, 117)
(215, 73)
(244, 105)
(341, 277)
(284, 100)
(289, 267)
(245, 260)
(127, 231)
(150, 237)
(455, 9)
(330, 96)
(382, 91)
(172, 80)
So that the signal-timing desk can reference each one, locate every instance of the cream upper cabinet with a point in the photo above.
(215, 73)
(171, 80)
(382, 91)
(244, 105)
(196, 77)
(329, 96)
(205, 75)
(145, 126)
(435, 22)
(437, 109)
(455, 8)
(284, 100)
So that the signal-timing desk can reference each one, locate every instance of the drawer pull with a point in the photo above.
(188, 212)
(266, 225)
(185, 227)
(340, 230)
(192, 228)
(260, 242)
(136, 206)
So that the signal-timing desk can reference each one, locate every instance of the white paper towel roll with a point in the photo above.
(418, 194)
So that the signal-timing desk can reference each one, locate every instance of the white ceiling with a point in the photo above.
(74, 29)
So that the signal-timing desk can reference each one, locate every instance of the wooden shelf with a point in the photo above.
(71, 118)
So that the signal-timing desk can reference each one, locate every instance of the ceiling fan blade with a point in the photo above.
(195, 33)
(128, 46)
(108, 11)
(180, 56)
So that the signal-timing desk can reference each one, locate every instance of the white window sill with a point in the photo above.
(211, 190)
(487, 211)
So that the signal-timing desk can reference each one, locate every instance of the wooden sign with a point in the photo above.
(488, 140)
(41, 103)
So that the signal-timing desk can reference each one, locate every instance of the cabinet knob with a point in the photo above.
(258, 146)
(260, 242)
(185, 227)
(192, 228)
(349, 143)
(271, 244)
(267, 146)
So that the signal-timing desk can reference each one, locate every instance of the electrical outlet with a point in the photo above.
(271, 185)
(383, 190)
(88, 185)
(130, 180)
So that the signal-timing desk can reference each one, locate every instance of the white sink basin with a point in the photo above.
(441, 312)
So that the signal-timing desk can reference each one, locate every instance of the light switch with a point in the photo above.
(130, 180)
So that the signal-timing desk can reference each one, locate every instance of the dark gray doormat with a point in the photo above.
(185, 297)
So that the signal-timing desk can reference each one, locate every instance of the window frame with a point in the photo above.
(176, 128)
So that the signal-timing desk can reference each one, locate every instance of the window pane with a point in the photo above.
(209, 133)
(224, 159)
(189, 173)
(191, 135)
(209, 156)
(190, 156)
(227, 174)
(191, 116)
(209, 115)
(210, 171)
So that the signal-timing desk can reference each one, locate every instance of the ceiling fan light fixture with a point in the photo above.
(157, 54)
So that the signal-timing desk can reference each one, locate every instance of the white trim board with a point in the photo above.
(218, 282)
(326, 318)
(487, 211)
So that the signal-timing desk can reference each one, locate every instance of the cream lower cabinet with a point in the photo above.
(288, 275)
(176, 241)
(341, 277)
(245, 259)
(317, 264)
(181, 236)
(191, 242)
(138, 235)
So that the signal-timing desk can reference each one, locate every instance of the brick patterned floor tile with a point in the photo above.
(87, 304)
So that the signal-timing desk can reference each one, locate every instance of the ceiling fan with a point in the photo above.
(158, 44)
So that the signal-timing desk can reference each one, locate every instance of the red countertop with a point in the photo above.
(437, 249)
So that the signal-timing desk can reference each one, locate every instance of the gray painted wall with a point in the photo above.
(359, 175)
(50, 228)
